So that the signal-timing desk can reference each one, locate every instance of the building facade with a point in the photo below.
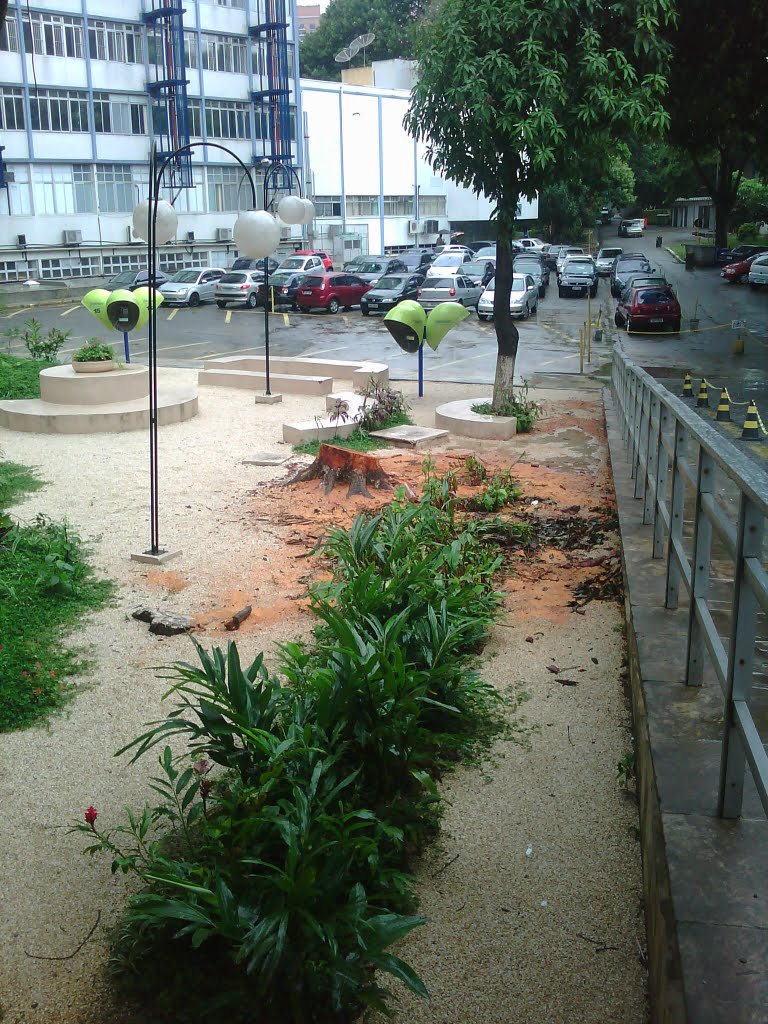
(308, 16)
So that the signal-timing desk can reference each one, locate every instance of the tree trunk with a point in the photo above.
(507, 337)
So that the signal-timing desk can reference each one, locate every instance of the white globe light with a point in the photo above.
(291, 210)
(166, 224)
(256, 233)
(309, 210)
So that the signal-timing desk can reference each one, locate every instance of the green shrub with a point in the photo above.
(746, 232)
(20, 378)
(525, 409)
(38, 344)
(94, 351)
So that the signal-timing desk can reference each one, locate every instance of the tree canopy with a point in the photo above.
(508, 119)
(392, 22)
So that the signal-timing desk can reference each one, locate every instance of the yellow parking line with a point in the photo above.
(228, 317)
(345, 319)
(173, 313)
(70, 310)
(286, 320)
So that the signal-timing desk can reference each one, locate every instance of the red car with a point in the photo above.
(650, 308)
(331, 291)
(327, 261)
(738, 271)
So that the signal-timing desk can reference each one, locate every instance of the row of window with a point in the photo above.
(368, 206)
(54, 268)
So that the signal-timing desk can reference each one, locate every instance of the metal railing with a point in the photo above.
(707, 504)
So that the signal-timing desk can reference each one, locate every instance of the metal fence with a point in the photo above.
(707, 504)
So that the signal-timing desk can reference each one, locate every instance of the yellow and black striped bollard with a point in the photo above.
(703, 398)
(751, 429)
(724, 408)
(687, 387)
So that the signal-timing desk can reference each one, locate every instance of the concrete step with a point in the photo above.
(253, 380)
(359, 372)
(174, 405)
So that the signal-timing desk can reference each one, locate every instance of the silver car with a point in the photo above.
(605, 260)
(448, 263)
(239, 287)
(191, 287)
(523, 298)
(449, 289)
(531, 263)
(565, 252)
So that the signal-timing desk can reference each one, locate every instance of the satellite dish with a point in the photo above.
(354, 46)
(343, 56)
(366, 39)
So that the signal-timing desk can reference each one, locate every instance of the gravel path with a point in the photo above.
(502, 942)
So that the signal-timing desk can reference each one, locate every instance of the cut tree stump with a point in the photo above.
(334, 464)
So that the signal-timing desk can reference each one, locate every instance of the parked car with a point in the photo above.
(738, 271)
(415, 260)
(246, 263)
(133, 279)
(758, 272)
(331, 291)
(389, 290)
(631, 228)
(353, 264)
(480, 271)
(740, 253)
(447, 263)
(606, 258)
(484, 243)
(624, 267)
(578, 276)
(191, 287)
(565, 252)
(326, 258)
(487, 252)
(606, 215)
(302, 264)
(372, 269)
(533, 264)
(282, 285)
(550, 256)
(653, 308)
(534, 244)
(451, 288)
(523, 298)
(239, 287)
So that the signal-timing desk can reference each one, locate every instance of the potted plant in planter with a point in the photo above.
(94, 357)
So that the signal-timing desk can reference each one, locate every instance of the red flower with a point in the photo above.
(24, 673)
(90, 816)
(38, 690)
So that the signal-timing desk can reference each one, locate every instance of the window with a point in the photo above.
(170, 262)
(225, 53)
(226, 120)
(119, 115)
(17, 196)
(114, 187)
(398, 206)
(72, 266)
(327, 206)
(53, 35)
(362, 206)
(58, 110)
(194, 117)
(224, 184)
(431, 206)
(85, 193)
(9, 37)
(11, 271)
(117, 264)
(108, 40)
(53, 188)
(12, 109)
(191, 200)
(190, 49)
(238, 4)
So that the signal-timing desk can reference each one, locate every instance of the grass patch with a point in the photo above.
(45, 588)
(679, 250)
(19, 378)
(522, 407)
(359, 441)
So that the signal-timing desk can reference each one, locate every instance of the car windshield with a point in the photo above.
(608, 254)
(186, 276)
(234, 279)
(579, 269)
(293, 263)
(125, 278)
(528, 266)
(475, 267)
(489, 251)
(449, 259)
(571, 252)
(370, 267)
(389, 282)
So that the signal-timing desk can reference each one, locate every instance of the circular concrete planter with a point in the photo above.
(95, 366)
(459, 418)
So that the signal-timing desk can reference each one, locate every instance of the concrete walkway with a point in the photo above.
(705, 878)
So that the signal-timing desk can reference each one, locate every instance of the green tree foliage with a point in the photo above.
(751, 201)
(505, 120)
(662, 172)
(568, 206)
(391, 20)
(718, 97)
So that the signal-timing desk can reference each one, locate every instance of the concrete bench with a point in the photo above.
(255, 380)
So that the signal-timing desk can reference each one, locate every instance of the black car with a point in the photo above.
(741, 252)
(389, 290)
(282, 285)
(244, 263)
(133, 279)
(624, 267)
(479, 271)
(533, 263)
(550, 256)
(416, 259)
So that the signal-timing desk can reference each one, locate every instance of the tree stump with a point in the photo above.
(334, 464)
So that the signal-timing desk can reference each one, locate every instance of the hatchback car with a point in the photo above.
(624, 267)
(451, 288)
(758, 272)
(389, 290)
(191, 287)
(133, 279)
(649, 309)
(415, 260)
(448, 263)
(326, 258)
(246, 263)
(605, 260)
(565, 252)
(741, 252)
(302, 264)
(239, 287)
(353, 265)
(282, 289)
(578, 277)
(738, 271)
(372, 269)
(644, 281)
(532, 263)
(550, 256)
(631, 228)
(331, 291)
(523, 298)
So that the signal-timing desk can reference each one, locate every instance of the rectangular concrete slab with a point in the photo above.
(409, 436)
(256, 381)
(317, 430)
(266, 459)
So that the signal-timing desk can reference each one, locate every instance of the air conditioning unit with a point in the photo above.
(430, 227)
(22, 240)
(223, 234)
(190, 236)
(415, 227)
(72, 237)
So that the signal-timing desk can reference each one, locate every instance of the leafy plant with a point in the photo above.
(38, 344)
(475, 470)
(20, 378)
(340, 411)
(523, 408)
(94, 351)
(500, 490)
(626, 769)
(383, 407)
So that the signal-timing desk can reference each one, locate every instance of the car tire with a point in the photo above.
(676, 327)
(593, 293)
(365, 312)
(542, 291)
(333, 306)
(220, 304)
(617, 320)
(526, 312)
(194, 300)
(628, 325)
(535, 310)
(484, 316)
(252, 301)
(560, 292)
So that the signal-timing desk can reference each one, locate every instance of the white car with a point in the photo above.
(606, 258)
(532, 243)
(523, 298)
(758, 272)
(635, 229)
(303, 264)
(449, 262)
(565, 252)
(191, 287)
